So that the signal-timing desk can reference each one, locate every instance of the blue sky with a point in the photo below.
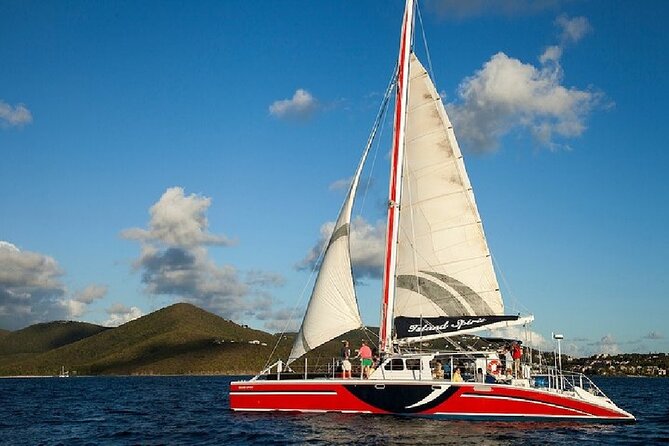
(211, 135)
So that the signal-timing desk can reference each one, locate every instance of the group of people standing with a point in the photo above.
(366, 356)
(514, 353)
(366, 359)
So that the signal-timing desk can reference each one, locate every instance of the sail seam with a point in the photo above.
(427, 200)
(431, 101)
(423, 135)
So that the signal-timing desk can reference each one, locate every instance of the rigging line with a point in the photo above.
(380, 119)
(427, 50)
(292, 313)
(372, 339)
(374, 333)
(516, 301)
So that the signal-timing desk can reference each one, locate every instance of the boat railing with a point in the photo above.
(305, 370)
(561, 380)
(267, 371)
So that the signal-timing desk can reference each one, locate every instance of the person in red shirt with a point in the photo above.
(516, 353)
(365, 355)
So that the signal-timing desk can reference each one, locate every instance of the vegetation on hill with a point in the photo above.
(43, 337)
(179, 339)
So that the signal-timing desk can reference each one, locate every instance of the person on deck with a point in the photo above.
(516, 353)
(502, 356)
(457, 377)
(345, 360)
(438, 370)
(479, 377)
(483, 376)
(365, 355)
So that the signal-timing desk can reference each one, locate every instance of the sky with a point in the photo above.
(173, 151)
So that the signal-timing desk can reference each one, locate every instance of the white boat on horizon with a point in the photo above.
(63, 373)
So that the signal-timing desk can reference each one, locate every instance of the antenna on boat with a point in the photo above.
(558, 338)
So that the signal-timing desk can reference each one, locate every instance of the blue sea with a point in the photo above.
(187, 410)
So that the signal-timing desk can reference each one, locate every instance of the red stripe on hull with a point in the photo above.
(459, 400)
(328, 397)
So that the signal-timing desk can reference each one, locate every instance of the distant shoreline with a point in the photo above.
(29, 376)
(124, 376)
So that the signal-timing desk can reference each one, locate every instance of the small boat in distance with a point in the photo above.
(63, 373)
(438, 282)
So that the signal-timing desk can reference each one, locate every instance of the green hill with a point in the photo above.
(179, 339)
(43, 337)
(4, 332)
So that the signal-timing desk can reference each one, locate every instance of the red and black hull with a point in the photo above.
(419, 398)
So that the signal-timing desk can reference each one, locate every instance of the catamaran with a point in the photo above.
(438, 282)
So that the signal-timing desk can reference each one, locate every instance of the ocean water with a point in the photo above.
(194, 410)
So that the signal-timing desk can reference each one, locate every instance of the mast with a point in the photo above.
(395, 186)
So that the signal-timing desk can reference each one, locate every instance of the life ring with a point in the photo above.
(494, 367)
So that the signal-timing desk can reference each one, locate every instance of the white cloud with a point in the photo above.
(77, 306)
(30, 288)
(174, 260)
(654, 336)
(551, 54)
(264, 278)
(8, 246)
(572, 29)
(344, 184)
(301, 106)
(607, 344)
(506, 94)
(16, 116)
(74, 308)
(459, 9)
(367, 248)
(178, 220)
(530, 338)
(341, 184)
(90, 294)
(120, 314)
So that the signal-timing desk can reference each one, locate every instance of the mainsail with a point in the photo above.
(445, 277)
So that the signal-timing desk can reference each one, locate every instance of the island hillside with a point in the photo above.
(184, 339)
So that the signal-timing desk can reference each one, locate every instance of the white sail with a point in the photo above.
(333, 308)
(444, 266)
